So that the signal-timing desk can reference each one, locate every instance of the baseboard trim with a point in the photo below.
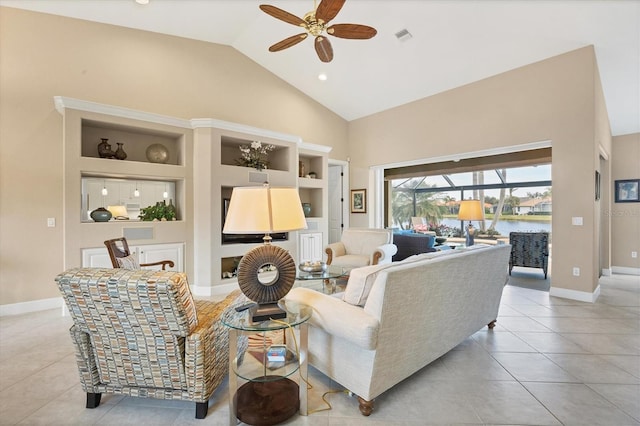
(624, 270)
(218, 290)
(32, 306)
(58, 302)
(581, 296)
(606, 272)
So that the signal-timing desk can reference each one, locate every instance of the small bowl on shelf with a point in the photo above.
(313, 266)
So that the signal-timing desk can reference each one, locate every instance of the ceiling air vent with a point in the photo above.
(403, 35)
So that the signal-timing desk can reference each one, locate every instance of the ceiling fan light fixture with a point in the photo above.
(316, 24)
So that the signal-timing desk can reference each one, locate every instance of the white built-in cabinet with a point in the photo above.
(148, 253)
(311, 245)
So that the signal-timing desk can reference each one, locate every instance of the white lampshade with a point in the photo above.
(265, 210)
(471, 210)
(118, 211)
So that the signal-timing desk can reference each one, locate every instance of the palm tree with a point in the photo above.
(402, 207)
(500, 205)
(427, 206)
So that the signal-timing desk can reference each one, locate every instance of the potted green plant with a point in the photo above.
(161, 211)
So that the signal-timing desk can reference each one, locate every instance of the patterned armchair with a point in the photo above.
(529, 249)
(140, 333)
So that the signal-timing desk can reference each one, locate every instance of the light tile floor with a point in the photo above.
(549, 361)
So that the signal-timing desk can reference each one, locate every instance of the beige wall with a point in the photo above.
(43, 55)
(558, 99)
(555, 99)
(625, 217)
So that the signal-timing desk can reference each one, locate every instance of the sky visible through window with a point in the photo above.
(513, 176)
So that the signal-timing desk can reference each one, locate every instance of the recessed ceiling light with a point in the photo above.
(142, 1)
(322, 76)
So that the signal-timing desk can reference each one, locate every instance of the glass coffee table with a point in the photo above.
(330, 277)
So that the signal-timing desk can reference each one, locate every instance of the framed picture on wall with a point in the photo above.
(627, 191)
(358, 201)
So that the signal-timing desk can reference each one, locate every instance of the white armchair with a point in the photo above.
(362, 247)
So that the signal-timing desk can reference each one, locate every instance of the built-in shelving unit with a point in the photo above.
(85, 124)
(203, 169)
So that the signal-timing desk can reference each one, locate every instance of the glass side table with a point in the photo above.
(332, 273)
(269, 396)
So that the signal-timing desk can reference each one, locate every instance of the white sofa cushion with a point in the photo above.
(361, 279)
(365, 241)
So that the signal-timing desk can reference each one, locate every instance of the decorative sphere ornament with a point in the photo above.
(157, 153)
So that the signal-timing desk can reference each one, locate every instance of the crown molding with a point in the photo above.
(63, 103)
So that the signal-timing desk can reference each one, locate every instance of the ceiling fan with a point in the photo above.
(316, 23)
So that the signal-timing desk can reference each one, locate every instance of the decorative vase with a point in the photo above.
(120, 154)
(157, 153)
(306, 209)
(101, 215)
(104, 149)
(301, 172)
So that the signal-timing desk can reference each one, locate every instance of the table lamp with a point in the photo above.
(470, 210)
(267, 272)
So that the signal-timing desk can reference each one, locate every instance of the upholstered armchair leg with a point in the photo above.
(492, 324)
(366, 407)
(201, 409)
(93, 399)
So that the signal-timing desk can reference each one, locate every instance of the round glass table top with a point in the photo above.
(297, 313)
(330, 273)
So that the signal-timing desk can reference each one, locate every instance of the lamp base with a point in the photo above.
(469, 241)
(266, 311)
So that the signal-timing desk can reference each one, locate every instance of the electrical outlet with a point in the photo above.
(51, 222)
(576, 272)
(634, 254)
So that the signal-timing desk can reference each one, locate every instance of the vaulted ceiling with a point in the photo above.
(452, 43)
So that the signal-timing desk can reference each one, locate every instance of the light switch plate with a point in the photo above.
(576, 220)
(51, 222)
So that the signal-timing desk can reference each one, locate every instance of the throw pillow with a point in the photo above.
(128, 262)
(360, 283)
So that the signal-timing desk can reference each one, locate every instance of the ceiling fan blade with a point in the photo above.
(356, 31)
(288, 42)
(324, 49)
(328, 9)
(282, 15)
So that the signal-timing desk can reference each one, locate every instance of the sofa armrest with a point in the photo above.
(383, 254)
(334, 250)
(330, 314)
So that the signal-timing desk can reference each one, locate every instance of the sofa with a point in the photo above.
(410, 243)
(360, 247)
(392, 320)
